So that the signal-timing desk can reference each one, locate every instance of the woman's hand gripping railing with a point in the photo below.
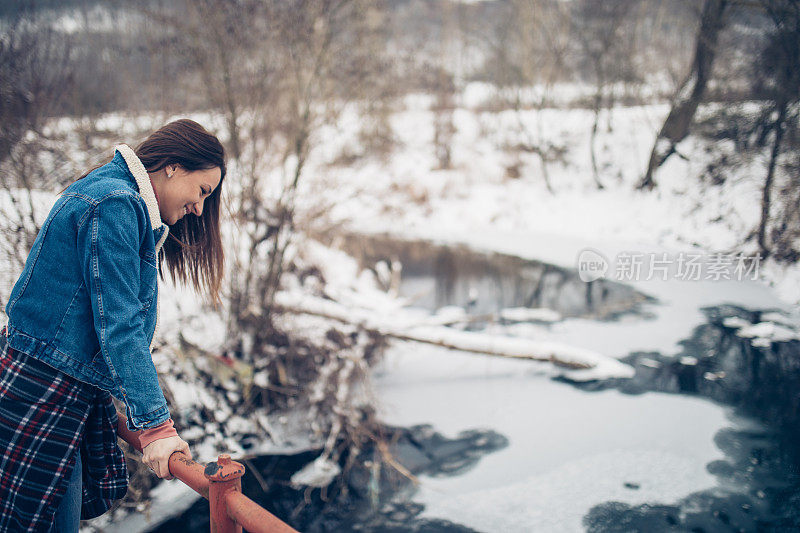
(221, 484)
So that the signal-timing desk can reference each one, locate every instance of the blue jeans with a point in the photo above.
(68, 514)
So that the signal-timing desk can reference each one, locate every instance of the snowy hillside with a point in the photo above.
(407, 195)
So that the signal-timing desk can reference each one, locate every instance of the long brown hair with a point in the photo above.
(193, 251)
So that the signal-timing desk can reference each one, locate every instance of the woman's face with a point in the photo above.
(183, 192)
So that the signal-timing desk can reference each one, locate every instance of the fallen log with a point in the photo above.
(584, 364)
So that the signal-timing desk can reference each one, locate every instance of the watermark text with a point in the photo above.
(683, 266)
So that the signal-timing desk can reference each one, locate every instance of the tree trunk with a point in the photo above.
(676, 126)
(765, 197)
(531, 146)
(593, 138)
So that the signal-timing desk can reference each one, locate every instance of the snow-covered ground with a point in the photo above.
(475, 201)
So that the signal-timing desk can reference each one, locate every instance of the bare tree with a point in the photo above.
(277, 71)
(768, 129)
(777, 77)
(444, 85)
(35, 74)
(690, 94)
(607, 46)
(541, 30)
(527, 51)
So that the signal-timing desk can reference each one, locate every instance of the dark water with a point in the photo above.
(759, 479)
(435, 276)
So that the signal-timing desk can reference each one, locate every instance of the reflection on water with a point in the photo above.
(435, 276)
(760, 477)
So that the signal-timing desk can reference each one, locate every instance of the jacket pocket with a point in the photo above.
(99, 364)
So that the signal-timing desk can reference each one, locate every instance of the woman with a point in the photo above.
(81, 320)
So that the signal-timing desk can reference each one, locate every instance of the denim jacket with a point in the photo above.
(86, 301)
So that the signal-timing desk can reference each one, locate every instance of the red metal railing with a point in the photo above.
(221, 484)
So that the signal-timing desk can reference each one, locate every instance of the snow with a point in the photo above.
(168, 498)
(734, 322)
(768, 331)
(779, 318)
(318, 473)
(525, 314)
(407, 196)
(594, 365)
(555, 500)
(184, 394)
(448, 314)
(774, 327)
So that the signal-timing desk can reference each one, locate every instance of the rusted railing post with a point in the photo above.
(223, 476)
(221, 484)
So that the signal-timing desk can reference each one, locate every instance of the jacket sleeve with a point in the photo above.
(110, 241)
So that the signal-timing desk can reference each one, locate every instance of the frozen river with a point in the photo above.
(568, 449)
(701, 438)
(573, 451)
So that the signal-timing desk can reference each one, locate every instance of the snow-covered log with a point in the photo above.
(584, 364)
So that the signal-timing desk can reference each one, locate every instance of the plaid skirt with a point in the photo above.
(46, 417)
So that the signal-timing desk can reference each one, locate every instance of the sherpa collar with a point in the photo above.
(143, 181)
